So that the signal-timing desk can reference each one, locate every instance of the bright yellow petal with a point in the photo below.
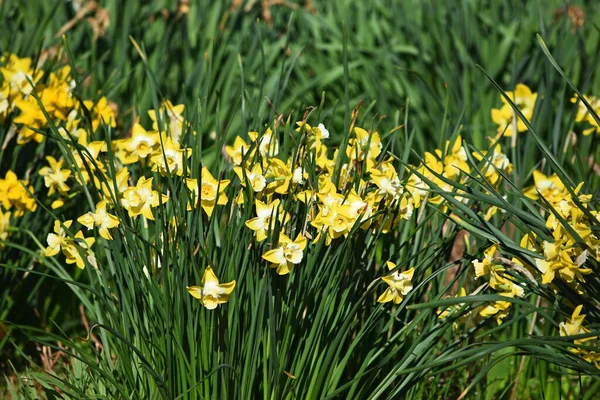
(195, 291)
(209, 276)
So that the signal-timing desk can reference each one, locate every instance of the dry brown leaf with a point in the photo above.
(99, 21)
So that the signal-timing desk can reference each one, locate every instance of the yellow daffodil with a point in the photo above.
(58, 239)
(122, 184)
(416, 187)
(4, 102)
(280, 176)
(139, 146)
(495, 162)
(101, 219)
(54, 177)
(453, 308)
(505, 117)
(484, 266)
(549, 187)
(299, 176)
(584, 114)
(455, 159)
(212, 293)
(101, 112)
(4, 225)
(169, 158)
(14, 195)
(315, 134)
(498, 309)
(171, 117)
(72, 128)
(574, 326)
(254, 177)
(266, 143)
(365, 145)
(433, 168)
(70, 247)
(559, 258)
(73, 249)
(140, 199)
(56, 96)
(287, 254)
(83, 160)
(238, 151)
(324, 163)
(210, 193)
(266, 216)
(502, 283)
(19, 72)
(400, 284)
(31, 118)
(389, 185)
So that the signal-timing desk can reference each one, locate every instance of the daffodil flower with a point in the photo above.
(506, 118)
(495, 162)
(14, 194)
(31, 118)
(266, 215)
(169, 158)
(254, 177)
(574, 326)
(4, 225)
(500, 282)
(139, 146)
(102, 113)
(54, 177)
(70, 247)
(365, 145)
(280, 176)
(171, 116)
(266, 143)
(287, 254)
(400, 284)
(100, 218)
(140, 199)
(388, 184)
(18, 72)
(315, 134)
(483, 267)
(122, 182)
(498, 309)
(455, 160)
(212, 293)
(210, 193)
(239, 150)
(4, 102)
(73, 247)
(58, 239)
(550, 188)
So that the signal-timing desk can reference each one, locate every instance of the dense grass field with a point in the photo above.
(299, 199)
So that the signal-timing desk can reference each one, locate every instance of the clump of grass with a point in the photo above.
(346, 205)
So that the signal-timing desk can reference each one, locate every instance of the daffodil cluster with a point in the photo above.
(570, 222)
(292, 197)
(37, 98)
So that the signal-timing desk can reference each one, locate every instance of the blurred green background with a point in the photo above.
(420, 55)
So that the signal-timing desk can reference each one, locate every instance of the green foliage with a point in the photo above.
(318, 332)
